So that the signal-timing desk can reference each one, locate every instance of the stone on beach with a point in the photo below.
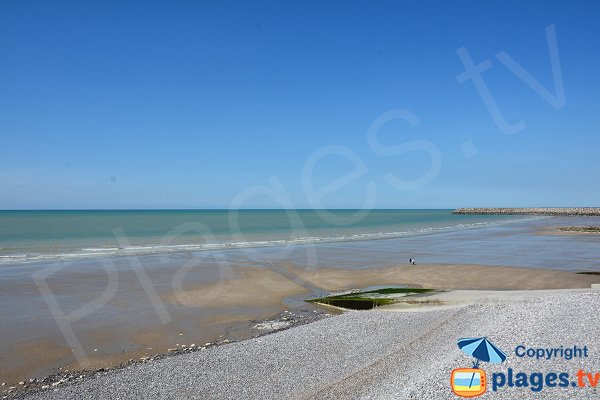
(555, 211)
(361, 354)
(272, 325)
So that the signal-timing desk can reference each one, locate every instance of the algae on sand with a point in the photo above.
(369, 299)
(587, 229)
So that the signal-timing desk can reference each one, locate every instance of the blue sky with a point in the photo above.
(204, 104)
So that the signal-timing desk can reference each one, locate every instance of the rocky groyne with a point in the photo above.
(557, 211)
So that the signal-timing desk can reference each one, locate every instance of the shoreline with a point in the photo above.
(557, 231)
(377, 350)
(155, 249)
(446, 277)
(280, 322)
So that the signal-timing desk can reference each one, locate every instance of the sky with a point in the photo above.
(298, 104)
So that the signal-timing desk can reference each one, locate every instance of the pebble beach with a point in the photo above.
(373, 354)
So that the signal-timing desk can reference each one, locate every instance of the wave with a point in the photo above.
(134, 250)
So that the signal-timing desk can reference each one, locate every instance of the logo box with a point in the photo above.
(468, 382)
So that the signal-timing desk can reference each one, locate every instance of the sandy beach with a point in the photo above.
(366, 354)
(269, 287)
(233, 296)
(299, 200)
(267, 290)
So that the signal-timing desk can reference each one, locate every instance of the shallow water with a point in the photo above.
(34, 343)
(517, 244)
(30, 236)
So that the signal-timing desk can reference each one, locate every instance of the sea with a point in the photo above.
(109, 277)
(34, 236)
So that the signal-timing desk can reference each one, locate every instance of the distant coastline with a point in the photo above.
(556, 211)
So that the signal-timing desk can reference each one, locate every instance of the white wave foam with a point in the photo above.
(93, 252)
(101, 249)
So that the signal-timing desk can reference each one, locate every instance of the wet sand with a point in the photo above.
(374, 354)
(229, 306)
(556, 231)
(267, 287)
(448, 276)
(256, 286)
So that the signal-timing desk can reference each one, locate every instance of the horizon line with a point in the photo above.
(270, 209)
(215, 209)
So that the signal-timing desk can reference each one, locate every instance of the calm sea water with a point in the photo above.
(29, 236)
(74, 250)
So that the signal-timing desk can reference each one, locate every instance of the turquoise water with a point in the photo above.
(27, 236)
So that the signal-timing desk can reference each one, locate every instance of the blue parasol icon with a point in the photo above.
(482, 349)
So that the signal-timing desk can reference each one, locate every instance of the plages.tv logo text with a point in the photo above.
(472, 382)
(536, 381)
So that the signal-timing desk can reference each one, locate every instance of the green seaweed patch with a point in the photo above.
(397, 290)
(369, 299)
(588, 229)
